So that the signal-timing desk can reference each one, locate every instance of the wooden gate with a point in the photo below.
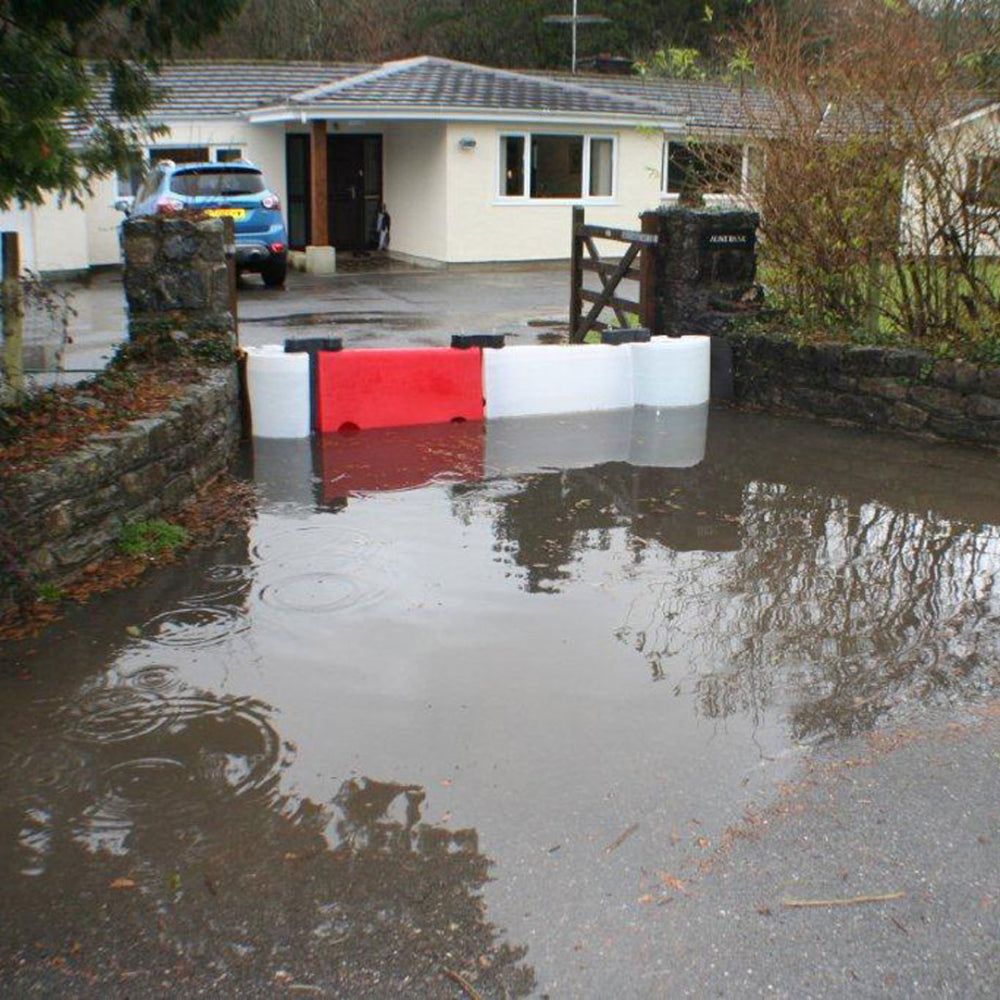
(647, 270)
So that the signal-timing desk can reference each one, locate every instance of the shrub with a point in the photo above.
(151, 538)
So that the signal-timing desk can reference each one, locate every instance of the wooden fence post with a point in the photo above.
(576, 274)
(13, 319)
(651, 274)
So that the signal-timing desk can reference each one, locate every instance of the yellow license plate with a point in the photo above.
(236, 214)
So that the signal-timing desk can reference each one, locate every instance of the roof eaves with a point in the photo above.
(437, 112)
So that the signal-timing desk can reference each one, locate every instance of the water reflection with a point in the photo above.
(838, 584)
(161, 805)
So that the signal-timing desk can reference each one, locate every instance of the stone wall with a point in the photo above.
(902, 390)
(177, 274)
(71, 512)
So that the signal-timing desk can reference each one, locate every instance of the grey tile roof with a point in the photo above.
(877, 117)
(196, 89)
(700, 104)
(430, 82)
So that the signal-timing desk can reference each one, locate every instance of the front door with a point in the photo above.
(354, 175)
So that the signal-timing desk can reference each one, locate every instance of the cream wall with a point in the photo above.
(60, 237)
(416, 188)
(21, 220)
(481, 227)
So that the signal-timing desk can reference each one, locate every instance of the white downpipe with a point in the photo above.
(672, 371)
(279, 391)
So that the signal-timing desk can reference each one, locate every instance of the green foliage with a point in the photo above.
(50, 593)
(151, 538)
(677, 63)
(495, 32)
(87, 63)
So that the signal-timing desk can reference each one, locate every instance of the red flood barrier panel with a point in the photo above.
(396, 388)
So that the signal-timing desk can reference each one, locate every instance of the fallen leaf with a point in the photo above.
(122, 883)
(133, 630)
(445, 782)
(672, 882)
(701, 842)
(645, 898)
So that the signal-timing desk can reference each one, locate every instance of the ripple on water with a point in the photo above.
(206, 743)
(193, 626)
(226, 580)
(340, 548)
(320, 592)
(111, 715)
(160, 678)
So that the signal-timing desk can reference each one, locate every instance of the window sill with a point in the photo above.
(710, 199)
(558, 202)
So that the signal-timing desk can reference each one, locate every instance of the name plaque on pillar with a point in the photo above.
(728, 255)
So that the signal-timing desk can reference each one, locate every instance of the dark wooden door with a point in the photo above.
(298, 174)
(355, 189)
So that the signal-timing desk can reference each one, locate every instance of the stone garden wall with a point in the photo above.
(902, 390)
(71, 512)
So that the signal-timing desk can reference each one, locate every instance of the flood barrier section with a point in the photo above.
(395, 388)
(367, 389)
(548, 379)
(278, 388)
(672, 371)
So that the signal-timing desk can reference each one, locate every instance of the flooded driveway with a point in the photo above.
(392, 306)
(470, 713)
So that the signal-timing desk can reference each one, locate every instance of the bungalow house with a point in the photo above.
(473, 164)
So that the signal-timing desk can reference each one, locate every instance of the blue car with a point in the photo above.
(235, 190)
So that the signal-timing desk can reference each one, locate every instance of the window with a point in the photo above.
(601, 167)
(210, 182)
(512, 166)
(179, 154)
(556, 166)
(228, 155)
(707, 167)
(983, 187)
(150, 185)
(129, 180)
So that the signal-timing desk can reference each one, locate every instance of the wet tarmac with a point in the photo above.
(391, 305)
(475, 709)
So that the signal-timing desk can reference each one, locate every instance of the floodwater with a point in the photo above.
(461, 702)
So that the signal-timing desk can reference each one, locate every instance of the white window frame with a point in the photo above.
(710, 199)
(502, 198)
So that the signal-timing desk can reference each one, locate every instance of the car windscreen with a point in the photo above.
(217, 182)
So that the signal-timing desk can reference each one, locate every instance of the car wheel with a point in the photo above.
(274, 273)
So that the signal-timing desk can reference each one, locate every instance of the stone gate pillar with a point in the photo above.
(177, 279)
(708, 266)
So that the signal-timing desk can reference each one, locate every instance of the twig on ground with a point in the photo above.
(885, 897)
(621, 838)
(467, 988)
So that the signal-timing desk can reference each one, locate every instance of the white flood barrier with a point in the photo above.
(279, 391)
(671, 438)
(545, 379)
(672, 371)
(518, 445)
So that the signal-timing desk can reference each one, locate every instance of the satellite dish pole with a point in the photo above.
(573, 20)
